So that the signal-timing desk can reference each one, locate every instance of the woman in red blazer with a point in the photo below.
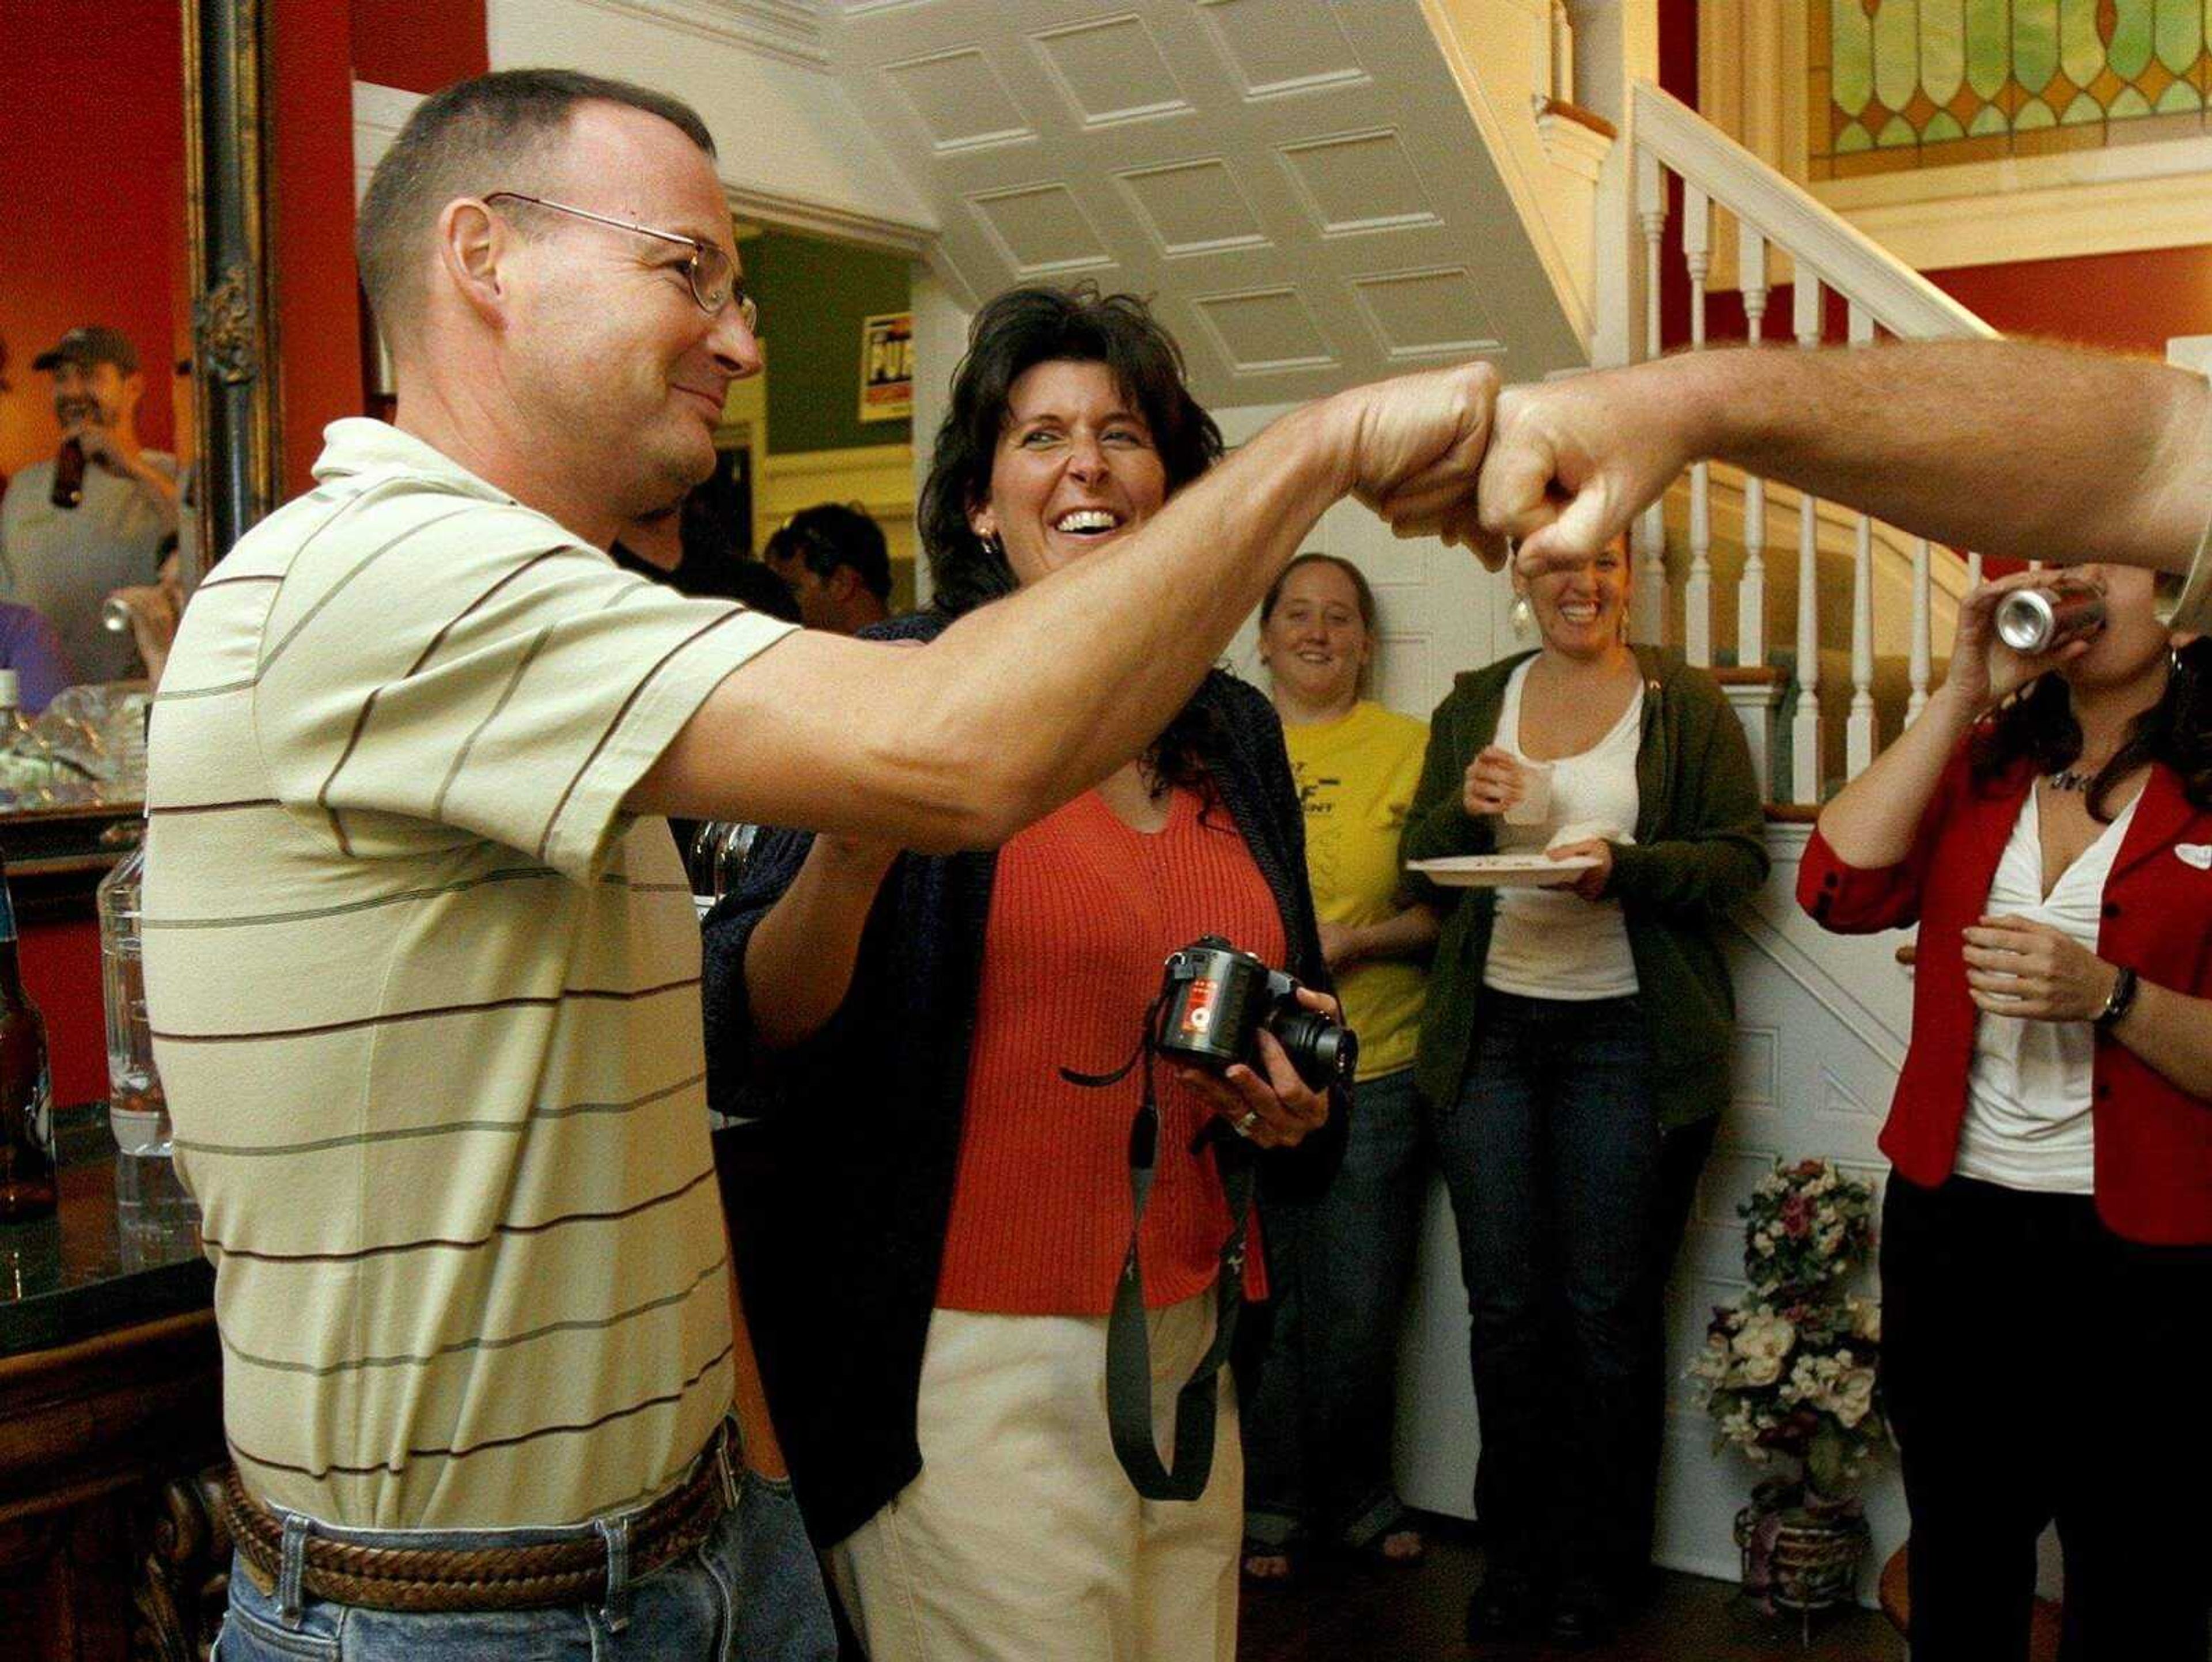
(2046, 1252)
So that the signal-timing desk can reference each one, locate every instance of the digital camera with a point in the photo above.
(1215, 1000)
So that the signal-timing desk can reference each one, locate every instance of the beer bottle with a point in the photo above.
(68, 475)
(27, 1127)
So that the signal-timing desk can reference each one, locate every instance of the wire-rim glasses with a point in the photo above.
(714, 279)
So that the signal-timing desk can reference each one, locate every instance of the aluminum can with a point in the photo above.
(2035, 621)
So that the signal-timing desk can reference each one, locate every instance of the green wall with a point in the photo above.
(812, 297)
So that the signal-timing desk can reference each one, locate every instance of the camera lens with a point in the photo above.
(1323, 1052)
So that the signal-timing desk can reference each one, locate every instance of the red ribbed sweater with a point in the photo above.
(1083, 910)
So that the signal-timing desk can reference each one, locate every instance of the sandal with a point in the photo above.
(1399, 1546)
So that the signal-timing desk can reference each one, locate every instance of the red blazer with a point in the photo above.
(2153, 1141)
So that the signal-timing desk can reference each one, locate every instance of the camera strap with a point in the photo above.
(1128, 1334)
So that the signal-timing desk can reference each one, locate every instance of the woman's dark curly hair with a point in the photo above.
(1011, 335)
(2038, 725)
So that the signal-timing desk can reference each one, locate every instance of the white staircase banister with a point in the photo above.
(1897, 298)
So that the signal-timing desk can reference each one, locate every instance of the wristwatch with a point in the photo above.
(2116, 1006)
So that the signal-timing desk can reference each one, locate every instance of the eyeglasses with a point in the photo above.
(714, 278)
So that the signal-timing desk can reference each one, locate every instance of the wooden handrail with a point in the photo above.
(1574, 112)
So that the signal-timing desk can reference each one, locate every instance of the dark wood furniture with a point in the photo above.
(110, 1411)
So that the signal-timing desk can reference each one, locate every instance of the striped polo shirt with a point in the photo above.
(426, 1002)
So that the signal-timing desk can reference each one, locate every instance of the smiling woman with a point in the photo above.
(1320, 1432)
(974, 1203)
(1573, 1053)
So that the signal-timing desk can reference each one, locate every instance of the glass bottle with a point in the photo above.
(137, 1111)
(26, 1120)
(68, 488)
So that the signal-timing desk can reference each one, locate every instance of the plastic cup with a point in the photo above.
(1535, 807)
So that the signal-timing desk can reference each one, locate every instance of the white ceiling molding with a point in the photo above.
(795, 213)
(788, 29)
(793, 151)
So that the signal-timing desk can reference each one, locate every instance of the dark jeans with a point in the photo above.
(2037, 1366)
(1318, 1427)
(1552, 1156)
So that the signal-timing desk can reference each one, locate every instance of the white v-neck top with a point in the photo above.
(2028, 1122)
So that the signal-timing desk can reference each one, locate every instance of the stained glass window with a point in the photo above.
(1920, 83)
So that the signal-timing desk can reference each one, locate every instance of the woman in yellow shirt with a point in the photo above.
(1317, 1430)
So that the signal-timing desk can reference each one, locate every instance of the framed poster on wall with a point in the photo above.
(887, 367)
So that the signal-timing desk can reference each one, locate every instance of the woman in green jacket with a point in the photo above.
(1575, 1051)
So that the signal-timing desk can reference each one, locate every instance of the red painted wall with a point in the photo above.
(91, 201)
(419, 45)
(2125, 302)
(91, 228)
(318, 294)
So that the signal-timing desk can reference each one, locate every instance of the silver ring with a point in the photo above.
(1244, 1125)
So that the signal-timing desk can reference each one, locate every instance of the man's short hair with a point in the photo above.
(831, 534)
(470, 139)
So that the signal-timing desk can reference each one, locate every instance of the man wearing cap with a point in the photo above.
(64, 547)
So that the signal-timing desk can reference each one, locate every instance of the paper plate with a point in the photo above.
(1502, 871)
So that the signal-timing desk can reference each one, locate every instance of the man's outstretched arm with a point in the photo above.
(1023, 704)
(2018, 450)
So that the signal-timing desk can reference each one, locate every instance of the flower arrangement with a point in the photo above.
(1805, 1226)
(1790, 1369)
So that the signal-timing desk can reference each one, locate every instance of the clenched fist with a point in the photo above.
(1415, 446)
(1572, 462)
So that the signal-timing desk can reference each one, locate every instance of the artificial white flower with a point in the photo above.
(1761, 1346)
(1866, 1319)
(1852, 1396)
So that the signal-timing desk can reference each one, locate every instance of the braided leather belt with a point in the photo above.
(570, 1572)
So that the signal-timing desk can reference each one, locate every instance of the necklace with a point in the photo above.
(2078, 778)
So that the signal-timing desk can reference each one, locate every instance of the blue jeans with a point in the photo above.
(752, 1590)
(1317, 1426)
(1551, 1154)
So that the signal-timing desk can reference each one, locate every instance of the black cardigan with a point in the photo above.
(841, 1204)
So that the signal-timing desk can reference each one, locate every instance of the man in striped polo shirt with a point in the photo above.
(421, 961)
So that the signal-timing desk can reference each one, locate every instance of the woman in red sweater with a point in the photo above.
(2046, 1251)
(941, 1388)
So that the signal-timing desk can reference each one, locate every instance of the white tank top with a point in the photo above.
(1552, 943)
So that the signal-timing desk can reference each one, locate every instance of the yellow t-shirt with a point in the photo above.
(1356, 777)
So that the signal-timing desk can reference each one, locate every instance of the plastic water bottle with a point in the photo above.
(137, 1109)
